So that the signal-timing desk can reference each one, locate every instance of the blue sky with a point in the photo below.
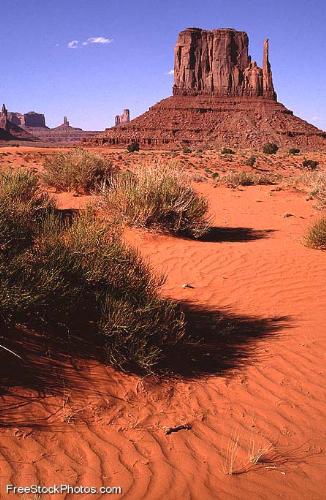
(125, 52)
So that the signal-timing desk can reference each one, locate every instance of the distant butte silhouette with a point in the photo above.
(220, 97)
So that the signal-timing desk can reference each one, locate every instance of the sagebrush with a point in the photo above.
(133, 147)
(78, 170)
(161, 197)
(310, 164)
(250, 161)
(270, 148)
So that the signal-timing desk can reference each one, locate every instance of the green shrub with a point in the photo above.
(77, 170)
(19, 186)
(316, 236)
(227, 151)
(75, 276)
(294, 151)
(133, 147)
(21, 206)
(270, 148)
(310, 164)
(186, 150)
(159, 197)
(250, 161)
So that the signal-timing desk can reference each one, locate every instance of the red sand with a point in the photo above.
(108, 428)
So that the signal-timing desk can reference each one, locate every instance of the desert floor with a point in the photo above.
(253, 398)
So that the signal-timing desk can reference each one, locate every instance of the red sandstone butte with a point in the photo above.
(217, 63)
(220, 98)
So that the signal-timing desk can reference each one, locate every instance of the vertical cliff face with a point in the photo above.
(217, 63)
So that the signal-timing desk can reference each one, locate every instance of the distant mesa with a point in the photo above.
(221, 97)
(124, 118)
(32, 127)
(31, 119)
(65, 134)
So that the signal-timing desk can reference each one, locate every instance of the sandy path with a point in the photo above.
(108, 428)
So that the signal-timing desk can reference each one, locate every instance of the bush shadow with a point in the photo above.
(235, 234)
(217, 343)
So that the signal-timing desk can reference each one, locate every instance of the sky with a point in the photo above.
(89, 59)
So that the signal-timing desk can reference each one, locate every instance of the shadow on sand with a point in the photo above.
(235, 234)
(216, 343)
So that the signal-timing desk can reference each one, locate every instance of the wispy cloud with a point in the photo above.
(93, 40)
(101, 40)
(171, 72)
(73, 44)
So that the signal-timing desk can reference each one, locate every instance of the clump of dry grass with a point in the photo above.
(314, 183)
(258, 455)
(235, 179)
(316, 235)
(77, 170)
(229, 464)
(160, 197)
(317, 184)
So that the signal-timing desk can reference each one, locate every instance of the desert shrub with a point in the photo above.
(310, 164)
(76, 277)
(77, 170)
(294, 151)
(234, 179)
(250, 161)
(313, 183)
(21, 206)
(133, 147)
(19, 185)
(316, 236)
(270, 148)
(159, 197)
(317, 184)
(227, 151)
(186, 150)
